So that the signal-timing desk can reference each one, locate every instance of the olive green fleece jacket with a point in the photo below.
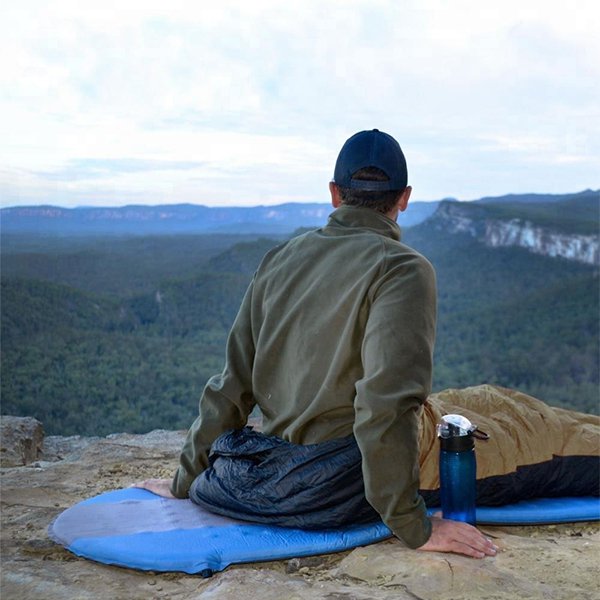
(334, 336)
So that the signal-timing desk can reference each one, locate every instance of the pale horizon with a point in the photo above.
(247, 104)
(274, 204)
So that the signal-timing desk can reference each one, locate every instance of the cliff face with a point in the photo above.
(582, 248)
(496, 232)
(550, 563)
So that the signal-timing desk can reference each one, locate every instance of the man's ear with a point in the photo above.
(336, 196)
(403, 199)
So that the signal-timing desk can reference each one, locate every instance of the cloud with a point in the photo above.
(94, 168)
(257, 97)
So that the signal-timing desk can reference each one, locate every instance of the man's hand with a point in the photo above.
(160, 487)
(457, 537)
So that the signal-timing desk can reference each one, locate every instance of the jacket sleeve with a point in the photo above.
(225, 404)
(397, 361)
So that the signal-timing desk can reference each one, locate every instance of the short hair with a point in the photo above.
(381, 202)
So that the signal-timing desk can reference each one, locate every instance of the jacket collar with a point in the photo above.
(365, 218)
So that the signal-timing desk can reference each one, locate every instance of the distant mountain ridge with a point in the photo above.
(539, 198)
(269, 220)
(162, 219)
(178, 219)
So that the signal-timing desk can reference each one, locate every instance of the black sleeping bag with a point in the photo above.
(263, 479)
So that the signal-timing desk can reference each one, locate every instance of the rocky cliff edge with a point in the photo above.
(41, 476)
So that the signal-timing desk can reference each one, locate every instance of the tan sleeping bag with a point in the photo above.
(523, 432)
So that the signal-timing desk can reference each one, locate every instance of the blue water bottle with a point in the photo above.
(458, 467)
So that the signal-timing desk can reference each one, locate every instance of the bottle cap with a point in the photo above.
(455, 426)
(458, 434)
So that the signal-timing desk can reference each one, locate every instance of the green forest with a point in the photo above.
(111, 334)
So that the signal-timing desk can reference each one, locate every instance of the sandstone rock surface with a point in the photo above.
(550, 563)
(21, 440)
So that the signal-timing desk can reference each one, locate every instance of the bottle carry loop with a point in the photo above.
(480, 435)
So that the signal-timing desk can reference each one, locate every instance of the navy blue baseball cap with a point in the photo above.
(371, 149)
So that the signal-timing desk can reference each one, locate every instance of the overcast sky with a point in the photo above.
(247, 102)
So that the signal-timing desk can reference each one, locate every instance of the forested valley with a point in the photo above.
(120, 333)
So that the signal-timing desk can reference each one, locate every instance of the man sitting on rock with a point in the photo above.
(333, 342)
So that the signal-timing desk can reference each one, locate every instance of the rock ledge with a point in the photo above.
(48, 475)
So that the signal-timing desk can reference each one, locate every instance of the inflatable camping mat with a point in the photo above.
(135, 528)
